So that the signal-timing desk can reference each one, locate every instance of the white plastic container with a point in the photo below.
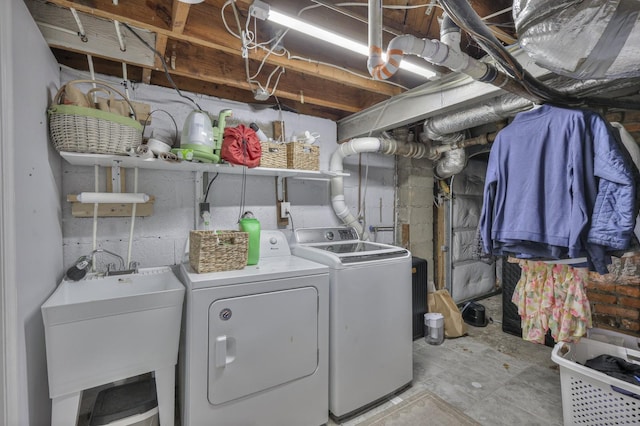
(434, 328)
(589, 397)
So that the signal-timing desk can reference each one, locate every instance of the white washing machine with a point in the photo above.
(254, 347)
(370, 316)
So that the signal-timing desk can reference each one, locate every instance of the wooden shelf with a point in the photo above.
(103, 160)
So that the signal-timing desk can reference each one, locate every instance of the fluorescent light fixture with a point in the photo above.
(339, 40)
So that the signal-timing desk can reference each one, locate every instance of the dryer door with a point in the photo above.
(260, 341)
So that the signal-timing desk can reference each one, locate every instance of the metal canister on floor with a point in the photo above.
(434, 328)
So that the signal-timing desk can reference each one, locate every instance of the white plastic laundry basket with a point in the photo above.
(587, 394)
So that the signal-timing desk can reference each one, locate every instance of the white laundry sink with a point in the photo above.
(103, 329)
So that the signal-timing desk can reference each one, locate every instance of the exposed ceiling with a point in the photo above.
(199, 45)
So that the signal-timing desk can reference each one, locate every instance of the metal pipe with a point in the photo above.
(382, 228)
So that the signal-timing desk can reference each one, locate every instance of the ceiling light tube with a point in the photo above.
(338, 40)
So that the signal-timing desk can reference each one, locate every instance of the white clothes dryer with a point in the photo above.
(254, 347)
(370, 316)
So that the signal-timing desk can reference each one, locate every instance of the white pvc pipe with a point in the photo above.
(133, 216)
(95, 217)
(111, 197)
(375, 60)
(123, 48)
(358, 146)
(433, 51)
(81, 32)
(125, 77)
(354, 146)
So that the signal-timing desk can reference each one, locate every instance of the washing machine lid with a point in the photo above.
(343, 245)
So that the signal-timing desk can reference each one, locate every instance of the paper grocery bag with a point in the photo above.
(441, 301)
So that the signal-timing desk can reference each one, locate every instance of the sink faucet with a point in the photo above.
(132, 268)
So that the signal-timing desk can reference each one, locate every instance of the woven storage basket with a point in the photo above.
(89, 130)
(273, 155)
(211, 251)
(303, 156)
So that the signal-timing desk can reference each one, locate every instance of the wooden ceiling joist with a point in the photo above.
(213, 35)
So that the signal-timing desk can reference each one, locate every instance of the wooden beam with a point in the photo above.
(179, 14)
(192, 62)
(209, 32)
(161, 48)
(502, 36)
(110, 209)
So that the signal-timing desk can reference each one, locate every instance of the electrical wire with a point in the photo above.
(498, 13)
(291, 217)
(146, 122)
(206, 194)
(396, 7)
(164, 65)
(248, 42)
(362, 213)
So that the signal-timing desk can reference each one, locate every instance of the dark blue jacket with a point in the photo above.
(558, 186)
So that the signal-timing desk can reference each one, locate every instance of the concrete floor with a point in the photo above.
(493, 377)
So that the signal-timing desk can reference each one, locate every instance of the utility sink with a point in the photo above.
(99, 296)
(103, 329)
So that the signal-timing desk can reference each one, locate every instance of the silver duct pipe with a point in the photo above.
(447, 125)
(581, 39)
(508, 105)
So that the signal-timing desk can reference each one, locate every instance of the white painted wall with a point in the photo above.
(160, 239)
(33, 200)
(35, 188)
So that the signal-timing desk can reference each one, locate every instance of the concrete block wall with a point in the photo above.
(160, 239)
(415, 208)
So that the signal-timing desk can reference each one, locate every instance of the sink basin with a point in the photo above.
(103, 329)
(98, 296)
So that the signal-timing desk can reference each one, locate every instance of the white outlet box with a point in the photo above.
(259, 10)
(285, 207)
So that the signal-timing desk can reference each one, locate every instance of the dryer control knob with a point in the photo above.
(273, 240)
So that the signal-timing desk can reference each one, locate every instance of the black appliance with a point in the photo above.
(510, 318)
(419, 295)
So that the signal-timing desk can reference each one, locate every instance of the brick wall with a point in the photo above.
(615, 297)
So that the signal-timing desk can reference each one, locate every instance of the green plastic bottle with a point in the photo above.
(251, 225)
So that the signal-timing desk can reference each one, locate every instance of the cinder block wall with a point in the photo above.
(615, 297)
(415, 209)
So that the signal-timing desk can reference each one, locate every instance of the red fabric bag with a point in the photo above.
(241, 146)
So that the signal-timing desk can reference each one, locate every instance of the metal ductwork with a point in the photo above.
(581, 39)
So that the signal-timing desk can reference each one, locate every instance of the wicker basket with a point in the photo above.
(211, 251)
(303, 156)
(274, 155)
(89, 130)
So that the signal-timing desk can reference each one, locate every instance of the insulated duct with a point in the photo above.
(508, 105)
(581, 39)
